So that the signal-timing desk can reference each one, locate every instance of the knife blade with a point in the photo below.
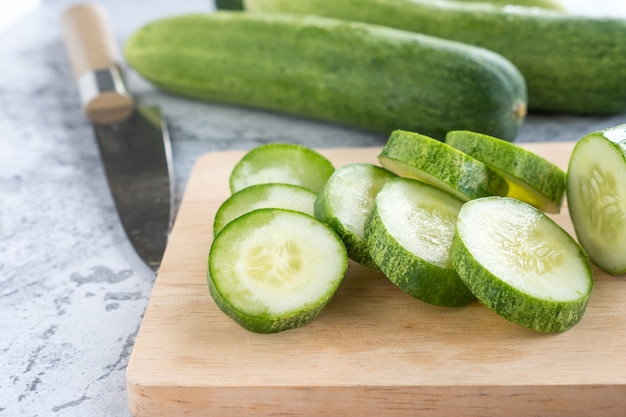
(133, 140)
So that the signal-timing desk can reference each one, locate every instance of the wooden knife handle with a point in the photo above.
(96, 63)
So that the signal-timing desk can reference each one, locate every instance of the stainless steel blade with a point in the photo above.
(136, 154)
(134, 142)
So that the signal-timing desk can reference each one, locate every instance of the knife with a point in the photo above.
(133, 140)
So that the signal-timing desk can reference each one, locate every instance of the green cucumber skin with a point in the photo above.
(522, 164)
(511, 304)
(350, 73)
(573, 64)
(229, 4)
(471, 177)
(418, 279)
(356, 248)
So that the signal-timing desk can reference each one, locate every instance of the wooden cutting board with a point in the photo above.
(374, 351)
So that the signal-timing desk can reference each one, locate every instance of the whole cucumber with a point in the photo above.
(573, 64)
(546, 4)
(362, 75)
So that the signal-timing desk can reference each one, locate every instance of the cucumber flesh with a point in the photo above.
(412, 155)
(521, 264)
(281, 163)
(345, 202)
(272, 270)
(596, 195)
(530, 177)
(409, 233)
(270, 195)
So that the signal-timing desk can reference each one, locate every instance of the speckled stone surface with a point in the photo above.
(72, 291)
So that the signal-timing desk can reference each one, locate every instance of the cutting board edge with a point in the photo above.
(373, 401)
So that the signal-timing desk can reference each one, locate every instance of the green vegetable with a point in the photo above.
(521, 264)
(345, 202)
(412, 155)
(273, 269)
(269, 195)
(351, 73)
(409, 233)
(229, 4)
(570, 63)
(544, 4)
(285, 163)
(530, 177)
(596, 195)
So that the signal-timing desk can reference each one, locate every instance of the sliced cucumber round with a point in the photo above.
(596, 196)
(521, 264)
(345, 202)
(531, 178)
(274, 269)
(412, 155)
(286, 163)
(409, 233)
(270, 195)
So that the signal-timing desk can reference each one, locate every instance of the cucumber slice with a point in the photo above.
(409, 233)
(281, 163)
(412, 155)
(274, 269)
(270, 195)
(596, 196)
(531, 178)
(521, 264)
(345, 202)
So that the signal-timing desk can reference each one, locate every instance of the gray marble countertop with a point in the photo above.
(72, 291)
